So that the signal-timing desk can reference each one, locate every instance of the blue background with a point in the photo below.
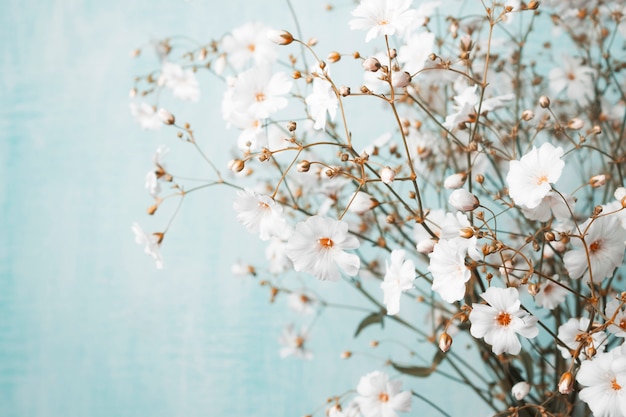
(88, 327)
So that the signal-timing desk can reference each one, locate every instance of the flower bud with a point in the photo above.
(520, 390)
(455, 181)
(620, 193)
(304, 166)
(597, 180)
(575, 123)
(371, 64)
(533, 289)
(426, 246)
(344, 91)
(566, 383)
(463, 200)
(544, 102)
(281, 37)
(333, 57)
(374, 343)
(392, 53)
(527, 115)
(466, 232)
(166, 117)
(291, 126)
(236, 165)
(445, 341)
(402, 79)
(346, 354)
(387, 175)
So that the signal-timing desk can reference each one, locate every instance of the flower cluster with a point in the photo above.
(483, 192)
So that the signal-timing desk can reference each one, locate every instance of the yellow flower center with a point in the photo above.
(615, 385)
(503, 319)
(299, 342)
(595, 246)
(383, 397)
(326, 242)
(542, 180)
(259, 97)
(251, 47)
(383, 22)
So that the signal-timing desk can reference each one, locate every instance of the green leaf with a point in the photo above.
(418, 371)
(368, 321)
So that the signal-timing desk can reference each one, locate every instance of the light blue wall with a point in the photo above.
(88, 327)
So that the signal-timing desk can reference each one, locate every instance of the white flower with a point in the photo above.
(260, 214)
(249, 43)
(447, 266)
(382, 17)
(573, 332)
(416, 51)
(604, 238)
(257, 92)
(463, 200)
(146, 116)
(151, 243)
(182, 82)
(500, 321)
(614, 307)
(398, 278)
(350, 410)
(152, 183)
(321, 101)
(573, 78)
(277, 257)
(454, 181)
(529, 178)
(380, 397)
(604, 379)
(318, 245)
(551, 205)
(301, 302)
(387, 175)
(520, 390)
(293, 343)
(550, 295)
(360, 202)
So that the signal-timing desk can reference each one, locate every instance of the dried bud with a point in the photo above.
(596, 130)
(533, 5)
(281, 37)
(371, 64)
(132, 93)
(152, 209)
(533, 289)
(202, 54)
(597, 210)
(346, 354)
(575, 123)
(333, 57)
(135, 53)
(387, 175)
(549, 236)
(455, 181)
(527, 115)
(544, 102)
(566, 383)
(374, 343)
(480, 178)
(344, 91)
(166, 117)
(445, 341)
(401, 79)
(466, 232)
(291, 126)
(597, 180)
(296, 75)
(463, 200)
(392, 53)
(236, 165)
(304, 166)
(520, 390)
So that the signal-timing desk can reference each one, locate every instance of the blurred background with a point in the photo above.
(88, 326)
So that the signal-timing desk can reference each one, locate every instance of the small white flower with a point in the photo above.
(454, 181)
(387, 175)
(260, 214)
(573, 78)
(380, 397)
(613, 308)
(301, 302)
(318, 245)
(382, 17)
(398, 278)
(447, 266)
(520, 390)
(182, 82)
(257, 92)
(463, 200)
(294, 343)
(321, 101)
(146, 116)
(151, 243)
(604, 238)
(249, 43)
(152, 183)
(573, 332)
(501, 320)
(604, 381)
(550, 295)
(529, 178)
(276, 254)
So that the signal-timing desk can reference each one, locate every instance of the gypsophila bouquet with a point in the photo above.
(462, 171)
